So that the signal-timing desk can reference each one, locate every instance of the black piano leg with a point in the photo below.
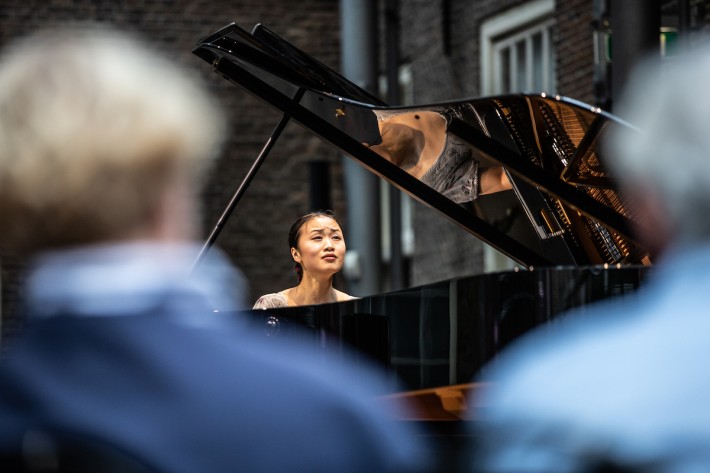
(236, 197)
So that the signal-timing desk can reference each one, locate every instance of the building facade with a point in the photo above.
(447, 50)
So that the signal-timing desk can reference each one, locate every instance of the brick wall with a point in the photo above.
(255, 237)
(575, 50)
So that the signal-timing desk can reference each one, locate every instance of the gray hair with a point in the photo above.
(95, 125)
(669, 101)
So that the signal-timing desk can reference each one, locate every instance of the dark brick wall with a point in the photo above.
(575, 50)
(255, 237)
(442, 45)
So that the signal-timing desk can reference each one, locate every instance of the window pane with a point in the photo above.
(537, 63)
(520, 55)
(520, 69)
(504, 79)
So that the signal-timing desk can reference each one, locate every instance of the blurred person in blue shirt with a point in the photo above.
(623, 385)
(105, 143)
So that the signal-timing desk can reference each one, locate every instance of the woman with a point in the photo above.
(418, 142)
(318, 249)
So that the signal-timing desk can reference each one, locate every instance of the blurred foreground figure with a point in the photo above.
(624, 385)
(123, 366)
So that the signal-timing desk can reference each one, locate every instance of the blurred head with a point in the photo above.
(102, 138)
(667, 163)
(317, 244)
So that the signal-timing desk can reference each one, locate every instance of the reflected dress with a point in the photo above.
(455, 174)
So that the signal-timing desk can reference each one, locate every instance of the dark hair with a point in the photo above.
(295, 232)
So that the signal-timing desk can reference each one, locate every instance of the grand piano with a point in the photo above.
(561, 217)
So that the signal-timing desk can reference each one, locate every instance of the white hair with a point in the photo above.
(95, 125)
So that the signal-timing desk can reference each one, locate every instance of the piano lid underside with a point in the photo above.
(566, 141)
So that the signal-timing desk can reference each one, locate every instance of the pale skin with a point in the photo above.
(414, 141)
(321, 253)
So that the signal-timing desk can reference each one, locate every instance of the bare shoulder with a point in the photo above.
(341, 296)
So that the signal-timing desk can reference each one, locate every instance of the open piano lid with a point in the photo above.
(562, 207)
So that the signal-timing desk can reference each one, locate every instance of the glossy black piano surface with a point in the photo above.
(561, 216)
(442, 334)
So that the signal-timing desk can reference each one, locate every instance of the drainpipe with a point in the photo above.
(359, 59)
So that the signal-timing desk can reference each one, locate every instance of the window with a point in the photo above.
(517, 55)
(517, 50)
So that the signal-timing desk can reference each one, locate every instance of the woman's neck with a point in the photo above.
(313, 291)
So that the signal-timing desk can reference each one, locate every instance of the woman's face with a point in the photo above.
(321, 247)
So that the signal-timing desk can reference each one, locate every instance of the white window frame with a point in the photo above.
(503, 32)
